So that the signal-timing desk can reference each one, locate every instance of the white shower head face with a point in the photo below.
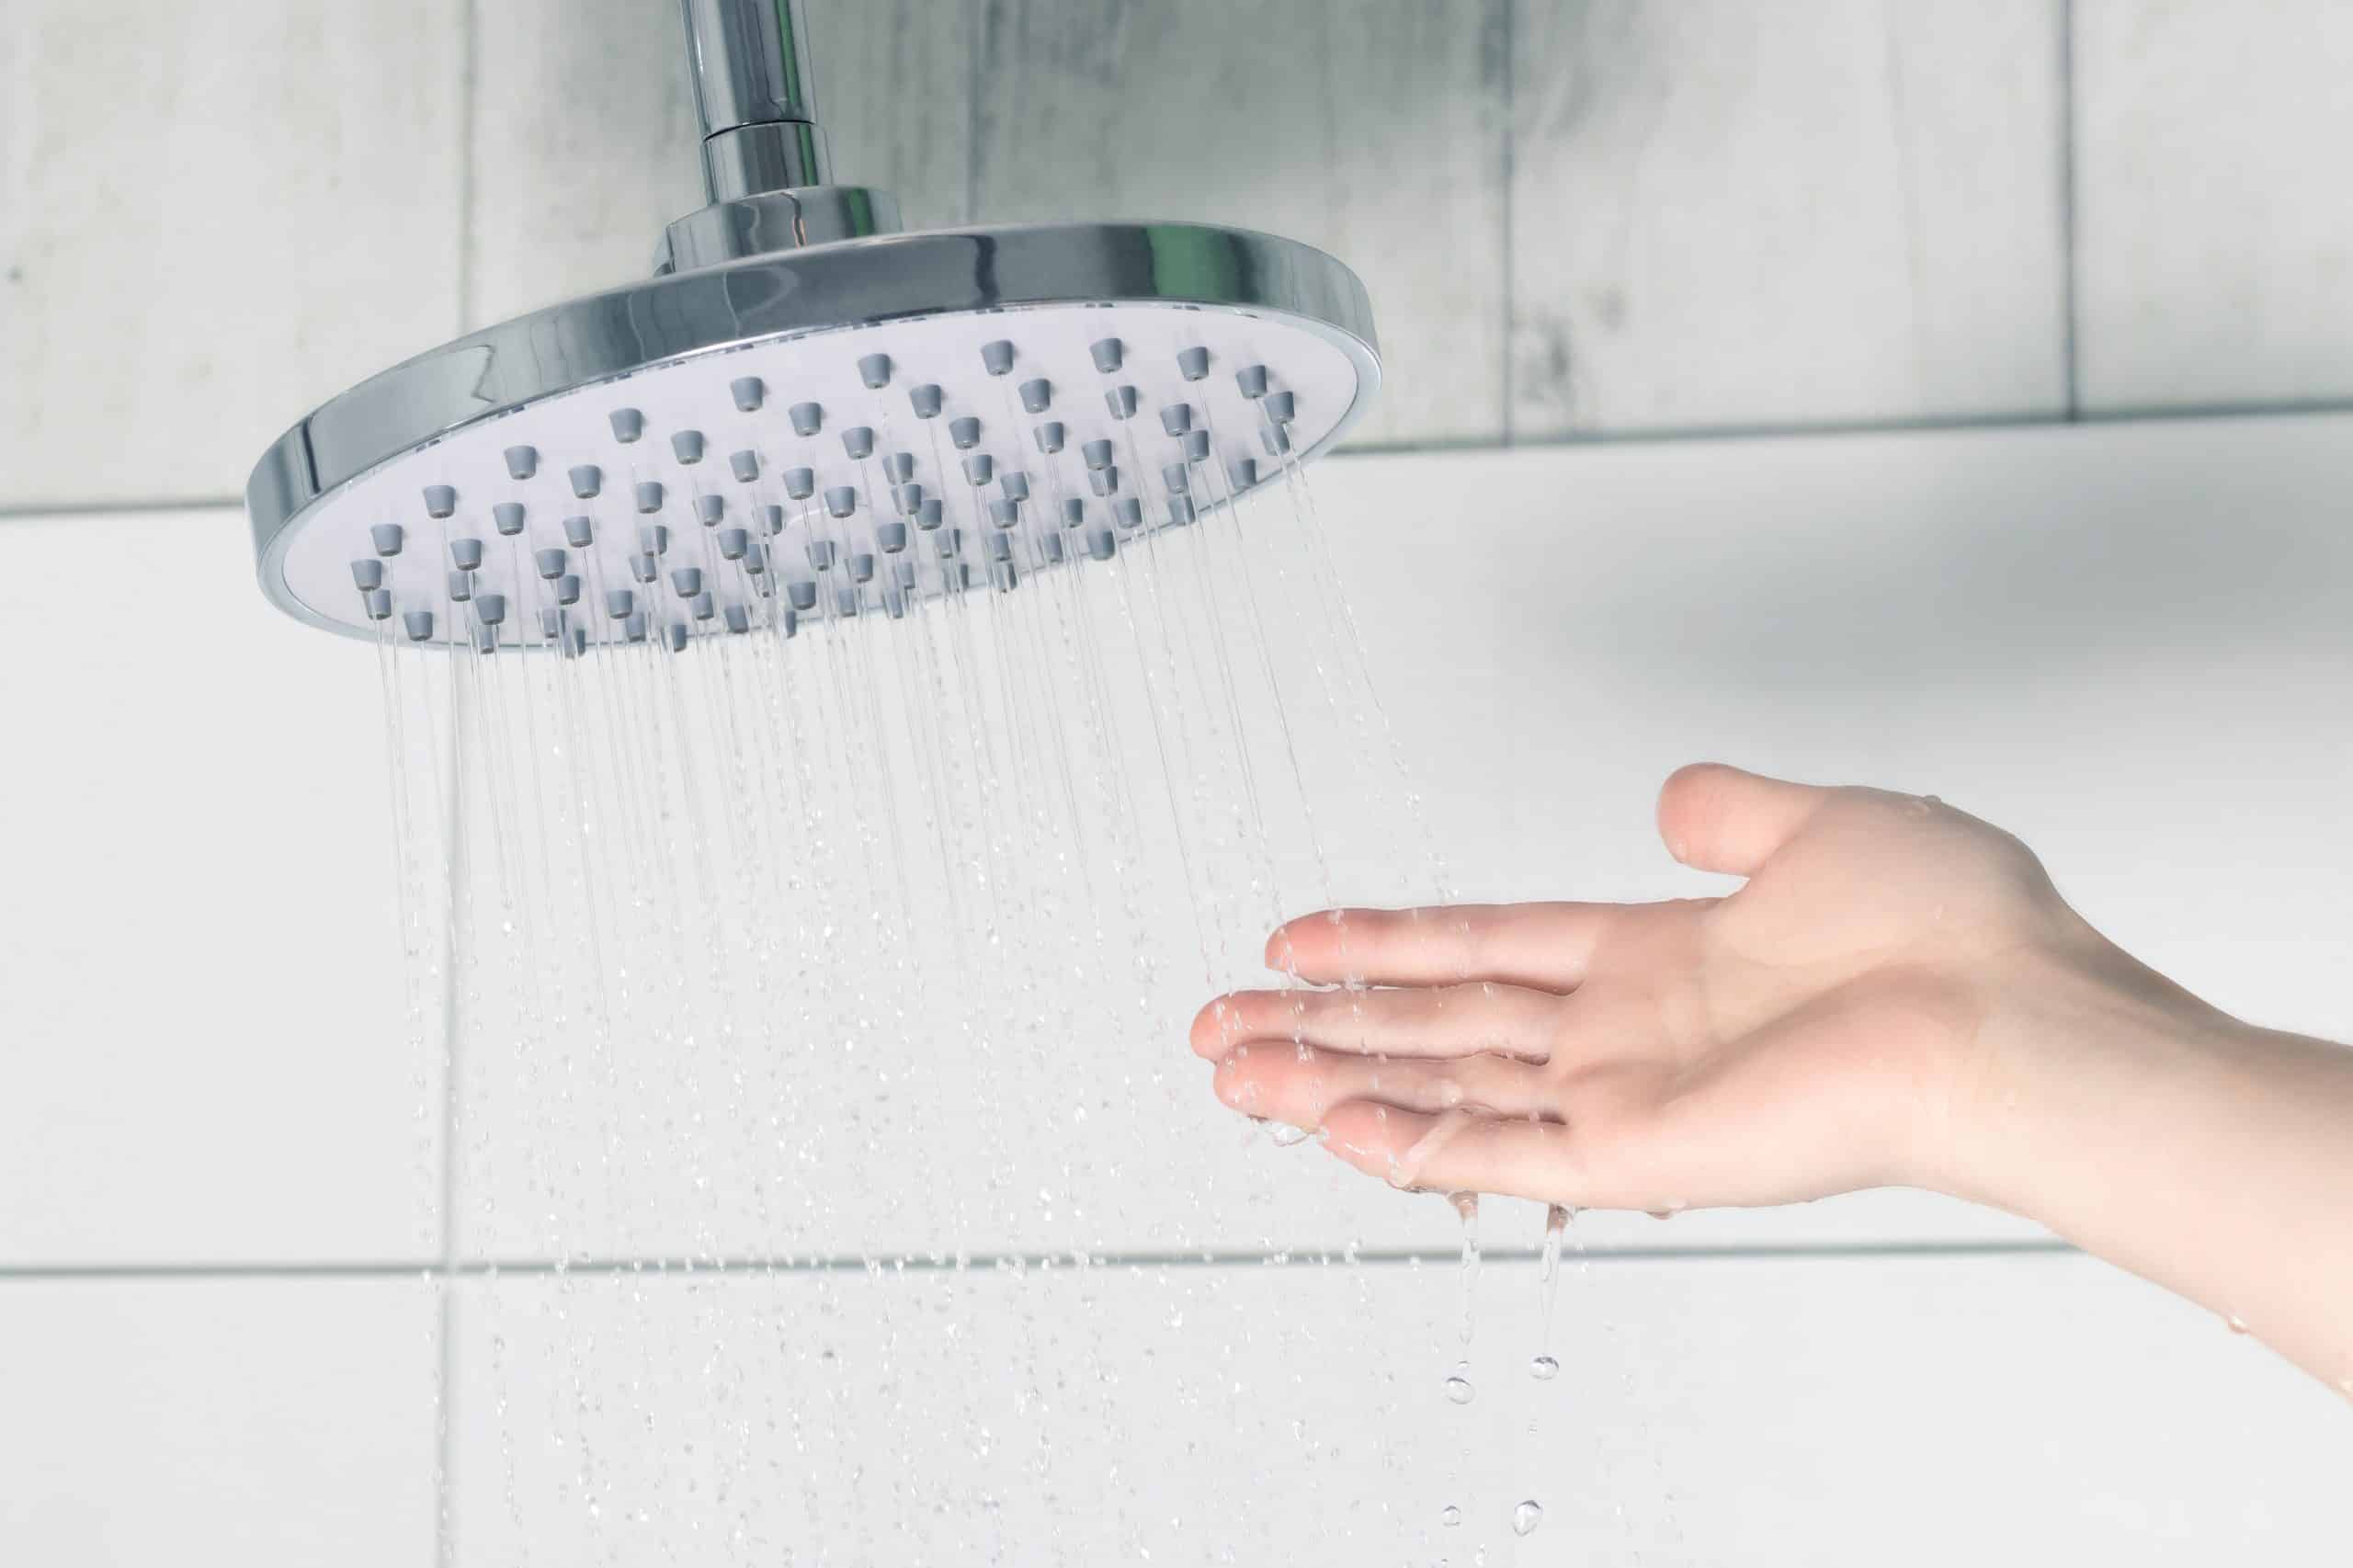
(820, 476)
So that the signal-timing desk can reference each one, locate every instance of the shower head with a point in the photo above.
(801, 390)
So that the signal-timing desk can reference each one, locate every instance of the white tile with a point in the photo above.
(1374, 133)
(2213, 265)
(1736, 215)
(578, 166)
(210, 220)
(2111, 639)
(204, 1046)
(266, 1422)
(1859, 1411)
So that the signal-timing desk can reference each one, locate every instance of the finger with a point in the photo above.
(1448, 1020)
(1454, 1151)
(1544, 946)
(1716, 818)
(1299, 1085)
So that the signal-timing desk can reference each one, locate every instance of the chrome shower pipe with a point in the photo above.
(753, 92)
(765, 165)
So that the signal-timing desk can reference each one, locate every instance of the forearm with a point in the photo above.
(2210, 1157)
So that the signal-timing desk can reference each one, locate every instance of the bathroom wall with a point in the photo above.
(1802, 238)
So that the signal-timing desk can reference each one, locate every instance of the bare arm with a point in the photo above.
(1897, 996)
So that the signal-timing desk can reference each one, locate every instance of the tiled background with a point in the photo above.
(1579, 222)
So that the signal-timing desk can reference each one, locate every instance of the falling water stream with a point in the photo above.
(819, 992)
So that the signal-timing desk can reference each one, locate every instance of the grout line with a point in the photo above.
(37, 511)
(2067, 239)
(664, 1268)
(1509, 71)
(468, 57)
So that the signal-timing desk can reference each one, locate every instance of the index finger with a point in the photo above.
(1546, 947)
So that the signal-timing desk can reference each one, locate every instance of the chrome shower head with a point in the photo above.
(801, 393)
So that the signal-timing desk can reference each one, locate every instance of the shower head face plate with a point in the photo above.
(826, 418)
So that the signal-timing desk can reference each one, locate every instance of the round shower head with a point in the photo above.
(909, 396)
(804, 415)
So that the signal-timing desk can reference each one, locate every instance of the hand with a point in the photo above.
(1819, 1030)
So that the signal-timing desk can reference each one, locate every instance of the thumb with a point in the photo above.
(1716, 818)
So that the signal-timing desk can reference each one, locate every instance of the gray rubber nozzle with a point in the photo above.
(643, 567)
(1176, 419)
(618, 602)
(929, 516)
(1180, 510)
(1037, 395)
(461, 587)
(732, 542)
(567, 590)
(1106, 354)
(1052, 545)
(1101, 545)
(803, 596)
(861, 567)
(979, 468)
(674, 635)
(1005, 514)
(686, 580)
(386, 538)
(874, 369)
(965, 432)
(772, 519)
(858, 441)
(1000, 547)
(379, 604)
(1276, 439)
(899, 467)
(841, 500)
(1193, 363)
(1129, 511)
(522, 463)
(1073, 512)
(1176, 479)
(1196, 446)
(821, 554)
(908, 498)
(1104, 481)
(1252, 379)
(653, 539)
(711, 509)
(1015, 483)
(627, 423)
(1049, 436)
(466, 554)
(489, 608)
(704, 604)
(579, 532)
(687, 445)
(1096, 453)
(890, 537)
(633, 628)
(649, 494)
(1121, 401)
(366, 574)
(745, 465)
(739, 619)
(1282, 407)
(550, 562)
(799, 482)
(485, 639)
(586, 481)
(807, 418)
(418, 624)
(439, 500)
(997, 358)
(749, 392)
(926, 400)
(507, 517)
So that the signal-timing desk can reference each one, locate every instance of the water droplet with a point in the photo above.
(2236, 1324)
(1285, 1135)
(1526, 1516)
(1449, 1515)
(1542, 1367)
(1457, 1387)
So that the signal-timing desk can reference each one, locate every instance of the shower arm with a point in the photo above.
(765, 166)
